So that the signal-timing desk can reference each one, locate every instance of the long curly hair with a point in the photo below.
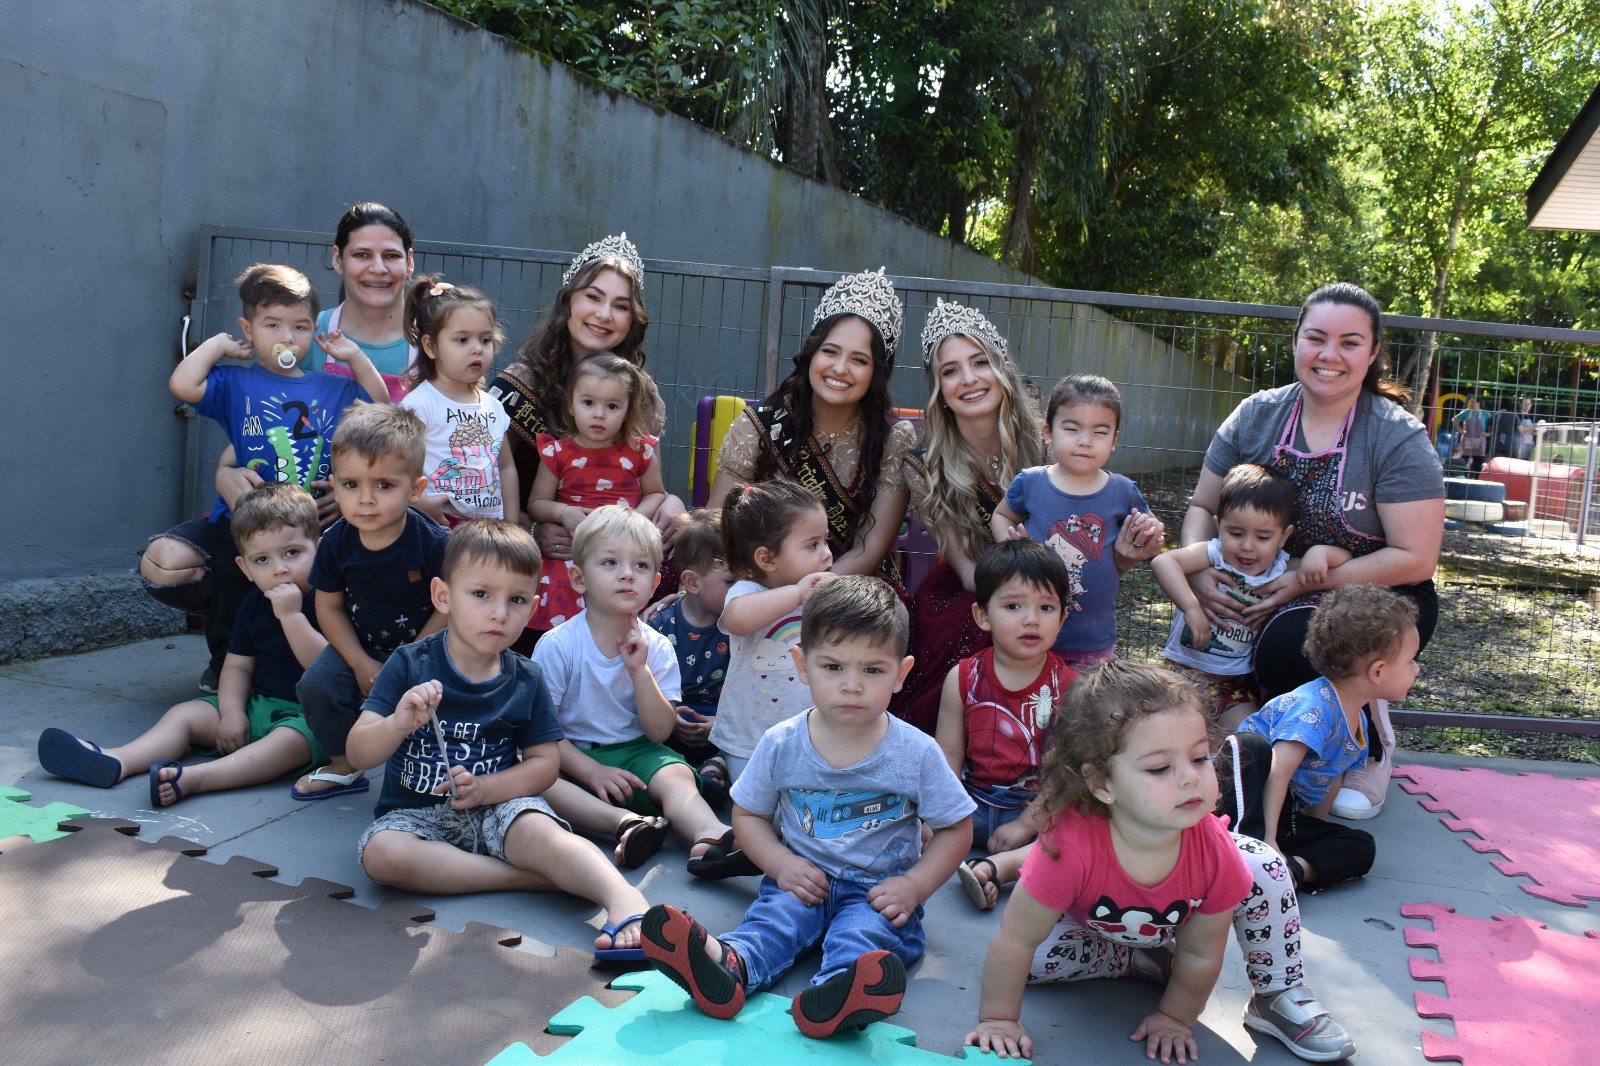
(795, 394)
(547, 356)
(955, 470)
(1091, 726)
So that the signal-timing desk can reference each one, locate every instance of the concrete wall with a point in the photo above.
(128, 126)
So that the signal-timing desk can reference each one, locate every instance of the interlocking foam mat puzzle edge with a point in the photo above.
(40, 824)
(660, 1025)
(1562, 858)
(133, 952)
(1516, 989)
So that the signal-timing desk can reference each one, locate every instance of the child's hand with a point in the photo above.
(338, 346)
(613, 783)
(233, 348)
(415, 707)
(1199, 628)
(692, 729)
(1011, 836)
(801, 879)
(1017, 532)
(1141, 536)
(234, 481)
(1007, 1039)
(895, 898)
(572, 516)
(286, 600)
(233, 730)
(811, 581)
(367, 676)
(1165, 1038)
(634, 649)
(470, 790)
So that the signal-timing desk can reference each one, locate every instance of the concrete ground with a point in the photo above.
(1356, 954)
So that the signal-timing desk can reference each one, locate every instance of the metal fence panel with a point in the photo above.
(1518, 627)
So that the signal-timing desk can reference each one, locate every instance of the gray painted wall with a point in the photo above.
(128, 126)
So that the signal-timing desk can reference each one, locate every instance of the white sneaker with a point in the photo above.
(1306, 1028)
(1364, 790)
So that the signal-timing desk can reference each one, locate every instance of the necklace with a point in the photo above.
(828, 438)
(994, 468)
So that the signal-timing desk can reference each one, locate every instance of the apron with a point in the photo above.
(1318, 511)
(397, 384)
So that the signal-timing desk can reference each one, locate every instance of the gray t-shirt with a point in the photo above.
(860, 822)
(1388, 458)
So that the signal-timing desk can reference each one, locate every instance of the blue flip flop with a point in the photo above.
(155, 782)
(616, 954)
(62, 754)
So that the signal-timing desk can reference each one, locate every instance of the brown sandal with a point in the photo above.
(640, 838)
(721, 859)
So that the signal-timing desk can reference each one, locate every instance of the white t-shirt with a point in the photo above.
(762, 687)
(1231, 651)
(464, 440)
(592, 691)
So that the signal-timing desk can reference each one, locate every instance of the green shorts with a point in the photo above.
(267, 713)
(642, 758)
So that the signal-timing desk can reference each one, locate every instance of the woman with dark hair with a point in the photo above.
(599, 308)
(372, 256)
(828, 426)
(1368, 482)
(979, 429)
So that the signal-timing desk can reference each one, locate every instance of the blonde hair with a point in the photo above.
(615, 520)
(955, 470)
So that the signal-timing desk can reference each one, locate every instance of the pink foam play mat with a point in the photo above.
(1548, 828)
(1518, 993)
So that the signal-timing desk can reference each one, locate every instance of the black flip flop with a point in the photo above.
(722, 859)
(641, 837)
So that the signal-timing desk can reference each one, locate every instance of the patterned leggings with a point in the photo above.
(1266, 925)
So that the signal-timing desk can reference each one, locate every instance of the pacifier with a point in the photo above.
(286, 355)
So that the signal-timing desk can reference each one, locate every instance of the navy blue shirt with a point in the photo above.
(385, 592)
(258, 634)
(702, 654)
(486, 724)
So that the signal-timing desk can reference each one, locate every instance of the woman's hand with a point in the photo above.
(665, 520)
(1274, 594)
(554, 541)
(1209, 586)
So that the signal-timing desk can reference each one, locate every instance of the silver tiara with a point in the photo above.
(868, 295)
(618, 247)
(948, 319)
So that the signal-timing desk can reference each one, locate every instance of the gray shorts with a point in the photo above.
(480, 830)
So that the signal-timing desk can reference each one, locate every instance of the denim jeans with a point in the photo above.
(331, 699)
(778, 929)
(997, 805)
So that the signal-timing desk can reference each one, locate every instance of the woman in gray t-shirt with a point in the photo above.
(1369, 482)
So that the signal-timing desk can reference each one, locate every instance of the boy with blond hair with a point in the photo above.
(614, 681)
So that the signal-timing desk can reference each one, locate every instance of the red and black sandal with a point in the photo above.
(868, 990)
(675, 944)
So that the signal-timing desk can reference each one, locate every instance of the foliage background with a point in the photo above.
(1242, 149)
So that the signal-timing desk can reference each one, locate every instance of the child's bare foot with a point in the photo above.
(624, 909)
(696, 961)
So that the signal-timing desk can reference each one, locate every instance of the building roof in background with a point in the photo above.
(1566, 194)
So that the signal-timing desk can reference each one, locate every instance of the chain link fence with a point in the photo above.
(1516, 647)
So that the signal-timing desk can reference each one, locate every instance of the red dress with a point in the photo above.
(587, 478)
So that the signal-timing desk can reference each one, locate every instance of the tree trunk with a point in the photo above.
(810, 147)
(1424, 361)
